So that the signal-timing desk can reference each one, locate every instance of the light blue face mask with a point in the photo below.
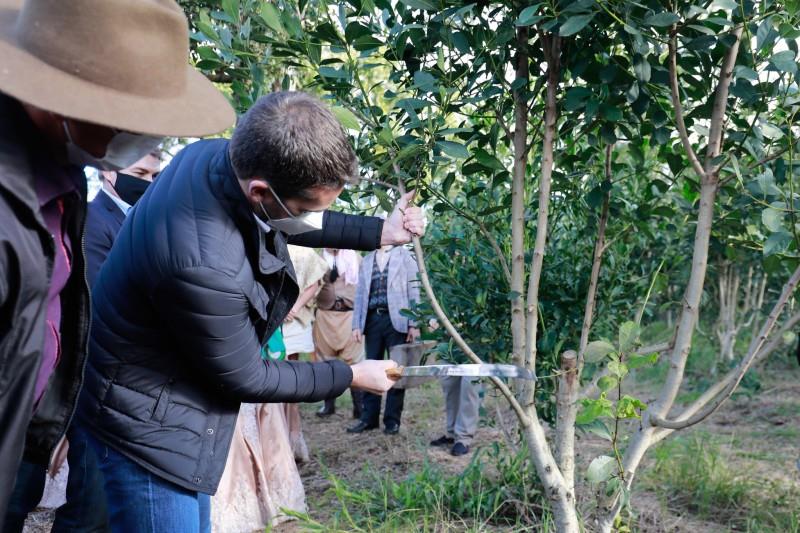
(293, 225)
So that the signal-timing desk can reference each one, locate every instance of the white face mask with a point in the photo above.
(124, 149)
(293, 225)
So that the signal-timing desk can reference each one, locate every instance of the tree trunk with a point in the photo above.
(518, 202)
(566, 410)
(562, 501)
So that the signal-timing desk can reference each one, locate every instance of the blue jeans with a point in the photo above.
(85, 510)
(141, 502)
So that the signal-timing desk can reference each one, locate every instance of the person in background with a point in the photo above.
(387, 284)
(197, 282)
(297, 329)
(120, 191)
(73, 93)
(85, 507)
(462, 406)
(333, 328)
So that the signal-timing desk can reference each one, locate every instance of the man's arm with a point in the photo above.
(345, 232)
(209, 318)
(98, 241)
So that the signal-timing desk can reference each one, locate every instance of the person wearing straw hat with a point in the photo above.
(82, 83)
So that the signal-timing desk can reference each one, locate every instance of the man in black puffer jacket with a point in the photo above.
(198, 280)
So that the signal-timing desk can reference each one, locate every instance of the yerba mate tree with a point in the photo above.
(600, 139)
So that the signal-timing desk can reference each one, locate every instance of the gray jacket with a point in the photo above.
(402, 288)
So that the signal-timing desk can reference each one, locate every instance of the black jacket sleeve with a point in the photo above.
(346, 232)
(211, 323)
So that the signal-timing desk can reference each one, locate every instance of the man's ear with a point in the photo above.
(257, 190)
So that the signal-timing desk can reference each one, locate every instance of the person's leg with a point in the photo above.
(86, 509)
(375, 348)
(468, 415)
(295, 426)
(394, 397)
(451, 388)
(141, 502)
(27, 493)
(204, 508)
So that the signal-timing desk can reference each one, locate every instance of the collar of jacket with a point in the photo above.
(242, 213)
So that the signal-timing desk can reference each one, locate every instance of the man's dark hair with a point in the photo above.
(295, 143)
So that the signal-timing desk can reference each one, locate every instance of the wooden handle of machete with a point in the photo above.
(394, 373)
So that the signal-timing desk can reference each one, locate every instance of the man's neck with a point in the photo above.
(109, 189)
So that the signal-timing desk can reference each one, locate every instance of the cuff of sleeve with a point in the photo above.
(342, 377)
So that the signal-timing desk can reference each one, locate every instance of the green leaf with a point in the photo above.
(662, 19)
(576, 98)
(272, 17)
(638, 361)
(606, 383)
(641, 67)
(772, 219)
(600, 469)
(597, 427)
(425, 81)
(424, 5)
(784, 61)
(231, 8)
(628, 336)
(367, 42)
(591, 410)
(335, 73)
(528, 16)
(488, 160)
(618, 369)
(777, 243)
(575, 24)
(629, 407)
(597, 351)
(453, 149)
(346, 118)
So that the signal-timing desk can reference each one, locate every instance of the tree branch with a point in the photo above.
(520, 141)
(451, 330)
(552, 47)
(678, 107)
(736, 378)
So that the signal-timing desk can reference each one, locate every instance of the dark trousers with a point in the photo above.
(85, 510)
(379, 336)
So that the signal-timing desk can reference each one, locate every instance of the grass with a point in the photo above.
(692, 474)
(496, 491)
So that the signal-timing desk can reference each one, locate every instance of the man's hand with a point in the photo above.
(357, 336)
(413, 334)
(370, 375)
(404, 221)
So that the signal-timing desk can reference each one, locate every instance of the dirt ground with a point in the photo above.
(759, 434)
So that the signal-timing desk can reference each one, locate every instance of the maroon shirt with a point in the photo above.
(51, 193)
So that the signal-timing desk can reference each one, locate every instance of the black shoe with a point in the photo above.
(459, 449)
(392, 429)
(444, 440)
(328, 408)
(361, 426)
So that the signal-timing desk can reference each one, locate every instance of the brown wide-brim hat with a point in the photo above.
(118, 63)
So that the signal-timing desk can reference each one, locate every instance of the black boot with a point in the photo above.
(328, 408)
(358, 399)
